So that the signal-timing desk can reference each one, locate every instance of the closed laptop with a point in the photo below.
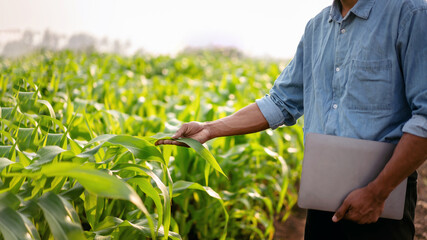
(335, 166)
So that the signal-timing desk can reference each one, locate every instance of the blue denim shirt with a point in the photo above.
(362, 76)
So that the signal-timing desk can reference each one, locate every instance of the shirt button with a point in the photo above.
(337, 69)
(343, 30)
(335, 106)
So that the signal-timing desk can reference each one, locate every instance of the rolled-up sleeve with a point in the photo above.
(284, 103)
(270, 111)
(417, 125)
(413, 52)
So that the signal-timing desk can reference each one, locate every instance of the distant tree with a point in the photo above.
(21, 46)
(81, 42)
(50, 41)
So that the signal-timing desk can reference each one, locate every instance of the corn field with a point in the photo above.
(78, 160)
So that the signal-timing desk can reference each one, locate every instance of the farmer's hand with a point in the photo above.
(362, 206)
(195, 130)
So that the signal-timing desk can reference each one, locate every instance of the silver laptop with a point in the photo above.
(334, 166)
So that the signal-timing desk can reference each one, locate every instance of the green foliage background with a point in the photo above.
(78, 160)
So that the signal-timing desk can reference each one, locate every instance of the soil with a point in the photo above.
(293, 227)
(421, 210)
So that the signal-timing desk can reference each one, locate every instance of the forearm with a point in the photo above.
(247, 120)
(409, 154)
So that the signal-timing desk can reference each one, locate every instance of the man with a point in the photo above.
(360, 71)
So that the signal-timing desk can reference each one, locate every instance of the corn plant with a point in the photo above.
(77, 158)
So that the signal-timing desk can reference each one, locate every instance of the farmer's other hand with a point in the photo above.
(195, 130)
(362, 206)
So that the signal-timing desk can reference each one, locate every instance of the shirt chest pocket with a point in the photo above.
(369, 85)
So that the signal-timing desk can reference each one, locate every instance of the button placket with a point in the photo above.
(332, 121)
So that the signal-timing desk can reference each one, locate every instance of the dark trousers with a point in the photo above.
(319, 224)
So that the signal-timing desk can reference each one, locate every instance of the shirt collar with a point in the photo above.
(362, 9)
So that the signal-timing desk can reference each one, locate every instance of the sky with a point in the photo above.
(260, 28)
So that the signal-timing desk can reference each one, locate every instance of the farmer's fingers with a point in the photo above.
(170, 142)
(340, 213)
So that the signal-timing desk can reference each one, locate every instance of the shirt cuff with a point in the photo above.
(417, 125)
(271, 112)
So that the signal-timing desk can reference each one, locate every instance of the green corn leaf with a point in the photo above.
(4, 162)
(158, 136)
(26, 102)
(110, 224)
(107, 225)
(38, 188)
(49, 107)
(15, 184)
(6, 113)
(7, 135)
(93, 180)
(62, 218)
(140, 148)
(13, 226)
(30, 227)
(90, 205)
(88, 126)
(167, 152)
(142, 227)
(54, 120)
(146, 187)
(180, 186)
(101, 139)
(74, 192)
(24, 138)
(90, 152)
(9, 199)
(194, 144)
(203, 152)
(167, 201)
(5, 151)
(97, 182)
(53, 139)
(24, 158)
(74, 147)
(46, 155)
(207, 172)
(69, 111)
(57, 184)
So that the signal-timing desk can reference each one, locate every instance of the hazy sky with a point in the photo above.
(268, 27)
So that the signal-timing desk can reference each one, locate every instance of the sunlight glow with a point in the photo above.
(261, 28)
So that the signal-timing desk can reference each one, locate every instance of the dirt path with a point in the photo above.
(293, 228)
(421, 210)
